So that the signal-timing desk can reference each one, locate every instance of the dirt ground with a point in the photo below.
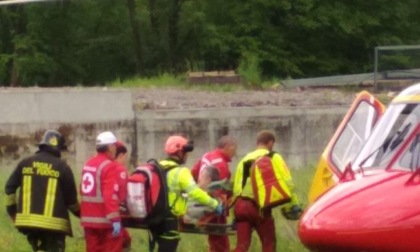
(185, 99)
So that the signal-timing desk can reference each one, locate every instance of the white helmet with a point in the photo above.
(106, 138)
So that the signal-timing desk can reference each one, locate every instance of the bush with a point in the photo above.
(250, 71)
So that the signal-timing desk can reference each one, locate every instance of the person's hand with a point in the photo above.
(293, 213)
(116, 228)
(220, 209)
(123, 209)
(12, 211)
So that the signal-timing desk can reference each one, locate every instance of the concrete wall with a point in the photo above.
(80, 114)
(302, 132)
(65, 106)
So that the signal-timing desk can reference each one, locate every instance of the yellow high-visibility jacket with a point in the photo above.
(278, 163)
(181, 185)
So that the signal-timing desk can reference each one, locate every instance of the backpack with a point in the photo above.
(147, 194)
(268, 186)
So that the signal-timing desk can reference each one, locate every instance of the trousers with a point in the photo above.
(165, 235)
(48, 241)
(219, 243)
(101, 239)
(126, 239)
(248, 218)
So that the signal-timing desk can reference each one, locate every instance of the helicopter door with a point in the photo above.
(346, 142)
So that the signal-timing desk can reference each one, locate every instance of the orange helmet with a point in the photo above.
(177, 143)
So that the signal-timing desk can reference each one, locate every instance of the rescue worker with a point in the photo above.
(180, 184)
(220, 158)
(121, 159)
(209, 182)
(99, 190)
(246, 212)
(47, 192)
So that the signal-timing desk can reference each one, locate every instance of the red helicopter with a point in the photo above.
(366, 190)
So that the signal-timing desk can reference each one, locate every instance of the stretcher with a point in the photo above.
(202, 227)
(203, 218)
(206, 229)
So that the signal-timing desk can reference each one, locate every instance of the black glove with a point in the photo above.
(76, 213)
(74, 209)
(11, 211)
(294, 213)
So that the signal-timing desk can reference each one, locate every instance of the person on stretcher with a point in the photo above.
(208, 181)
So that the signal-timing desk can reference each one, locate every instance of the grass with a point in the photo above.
(167, 80)
(160, 81)
(12, 241)
(173, 81)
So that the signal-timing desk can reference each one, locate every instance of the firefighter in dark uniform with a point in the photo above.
(47, 192)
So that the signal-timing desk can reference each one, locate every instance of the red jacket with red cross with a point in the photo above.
(99, 193)
(216, 158)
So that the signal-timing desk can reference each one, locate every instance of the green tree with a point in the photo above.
(91, 42)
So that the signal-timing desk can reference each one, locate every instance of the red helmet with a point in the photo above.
(177, 143)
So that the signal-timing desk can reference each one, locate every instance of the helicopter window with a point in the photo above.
(394, 135)
(353, 135)
(411, 157)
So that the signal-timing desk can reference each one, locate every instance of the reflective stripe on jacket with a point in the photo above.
(278, 163)
(47, 192)
(180, 181)
(99, 192)
(216, 158)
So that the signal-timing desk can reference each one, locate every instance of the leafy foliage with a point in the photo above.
(93, 42)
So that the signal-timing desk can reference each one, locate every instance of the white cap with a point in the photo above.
(106, 138)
